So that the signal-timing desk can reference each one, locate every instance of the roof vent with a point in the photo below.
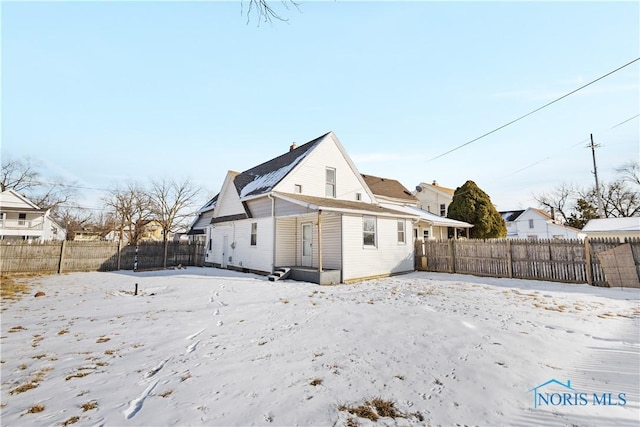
(418, 188)
(293, 146)
(435, 182)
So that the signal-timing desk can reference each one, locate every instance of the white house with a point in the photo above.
(20, 219)
(311, 210)
(392, 194)
(434, 198)
(198, 228)
(532, 223)
(617, 228)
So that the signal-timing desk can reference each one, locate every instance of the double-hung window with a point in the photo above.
(330, 186)
(254, 233)
(369, 231)
(401, 238)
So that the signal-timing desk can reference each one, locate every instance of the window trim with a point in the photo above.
(328, 184)
(254, 234)
(403, 232)
(365, 233)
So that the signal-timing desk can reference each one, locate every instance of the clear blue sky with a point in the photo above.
(103, 92)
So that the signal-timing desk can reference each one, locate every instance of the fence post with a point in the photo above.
(119, 252)
(452, 255)
(61, 261)
(587, 259)
(509, 262)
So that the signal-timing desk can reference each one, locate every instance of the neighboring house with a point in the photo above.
(308, 209)
(393, 195)
(434, 198)
(20, 219)
(532, 223)
(618, 228)
(149, 231)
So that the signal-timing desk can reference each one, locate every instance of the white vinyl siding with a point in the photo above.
(310, 173)
(361, 262)
(260, 208)
(239, 251)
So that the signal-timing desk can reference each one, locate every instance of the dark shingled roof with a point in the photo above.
(388, 188)
(271, 167)
(510, 216)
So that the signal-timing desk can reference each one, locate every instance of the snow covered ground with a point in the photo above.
(204, 346)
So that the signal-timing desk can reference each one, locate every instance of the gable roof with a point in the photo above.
(262, 178)
(12, 200)
(510, 216)
(434, 186)
(431, 218)
(388, 188)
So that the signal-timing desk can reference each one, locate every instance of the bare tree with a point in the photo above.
(619, 200)
(74, 220)
(19, 175)
(630, 172)
(131, 206)
(265, 12)
(560, 199)
(172, 204)
(24, 176)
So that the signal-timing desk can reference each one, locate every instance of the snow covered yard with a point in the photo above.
(204, 346)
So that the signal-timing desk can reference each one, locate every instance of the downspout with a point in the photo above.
(273, 215)
(320, 240)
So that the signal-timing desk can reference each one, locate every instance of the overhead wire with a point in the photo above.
(534, 111)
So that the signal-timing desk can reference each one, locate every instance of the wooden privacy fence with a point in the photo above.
(568, 261)
(64, 257)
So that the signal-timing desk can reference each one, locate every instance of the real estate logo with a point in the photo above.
(555, 393)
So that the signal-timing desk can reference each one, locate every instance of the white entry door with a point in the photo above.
(307, 248)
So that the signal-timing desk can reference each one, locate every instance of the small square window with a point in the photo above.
(443, 210)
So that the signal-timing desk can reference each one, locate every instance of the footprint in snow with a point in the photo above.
(136, 404)
(192, 347)
(220, 323)
(192, 336)
(216, 313)
(156, 369)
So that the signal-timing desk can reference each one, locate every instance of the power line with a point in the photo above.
(574, 145)
(536, 110)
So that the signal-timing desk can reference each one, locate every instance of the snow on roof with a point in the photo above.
(429, 217)
(509, 216)
(613, 224)
(262, 178)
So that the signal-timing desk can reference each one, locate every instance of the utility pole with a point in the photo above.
(595, 173)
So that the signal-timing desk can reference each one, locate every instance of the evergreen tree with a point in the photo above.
(584, 211)
(471, 204)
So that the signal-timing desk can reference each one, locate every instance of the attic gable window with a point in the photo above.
(330, 186)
